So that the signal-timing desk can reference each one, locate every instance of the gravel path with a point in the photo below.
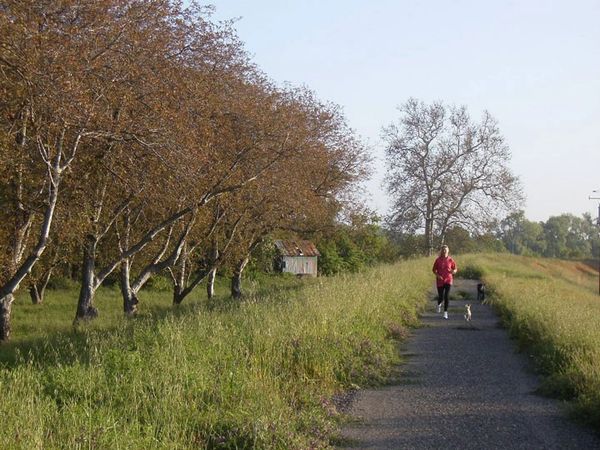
(462, 388)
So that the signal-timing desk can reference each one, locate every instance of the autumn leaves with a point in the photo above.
(138, 137)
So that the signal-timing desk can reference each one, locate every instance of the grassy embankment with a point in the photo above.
(255, 374)
(552, 308)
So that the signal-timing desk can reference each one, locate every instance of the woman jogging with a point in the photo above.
(444, 268)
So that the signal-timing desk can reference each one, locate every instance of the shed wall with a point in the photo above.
(300, 265)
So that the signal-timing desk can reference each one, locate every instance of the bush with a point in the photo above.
(160, 283)
(62, 282)
(471, 272)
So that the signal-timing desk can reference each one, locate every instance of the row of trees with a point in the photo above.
(137, 137)
(563, 236)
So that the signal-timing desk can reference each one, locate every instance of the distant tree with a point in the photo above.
(368, 235)
(521, 236)
(462, 241)
(459, 240)
(488, 242)
(330, 262)
(533, 238)
(563, 236)
(406, 244)
(567, 236)
(592, 232)
(445, 170)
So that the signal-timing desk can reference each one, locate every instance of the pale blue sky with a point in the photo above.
(533, 64)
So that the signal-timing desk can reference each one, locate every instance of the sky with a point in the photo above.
(533, 64)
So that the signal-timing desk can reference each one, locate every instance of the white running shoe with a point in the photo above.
(445, 314)
(439, 309)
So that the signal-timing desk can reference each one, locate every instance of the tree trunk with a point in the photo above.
(429, 235)
(37, 289)
(236, 279)
(210, 284)
(181, 291)
(5, 309)
(181, 287)
(178, 295)
(85, 305)
(21, 270)
(180, 277)
(130, 300)
(37, 297)
(130, 292)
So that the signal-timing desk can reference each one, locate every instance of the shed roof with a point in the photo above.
(297, 248)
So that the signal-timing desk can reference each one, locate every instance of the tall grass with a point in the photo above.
(553, 309)
(253, 374)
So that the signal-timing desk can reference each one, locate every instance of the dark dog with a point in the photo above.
(481, 292)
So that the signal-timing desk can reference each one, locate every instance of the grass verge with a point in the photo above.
(552, 308)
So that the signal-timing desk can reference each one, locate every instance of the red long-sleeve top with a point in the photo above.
(444, 268)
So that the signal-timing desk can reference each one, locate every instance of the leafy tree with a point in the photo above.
(330, 262)
(370, 238)
(53, 113)
(488, 242)
(591, 230)
(563, 236)
(521, 236)
(566, 236)
(459, 240)
(407, 244)
(142, 129)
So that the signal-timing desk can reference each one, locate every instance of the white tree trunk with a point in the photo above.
(210, 283)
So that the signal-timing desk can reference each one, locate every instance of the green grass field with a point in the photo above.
(253, 374)
(552, 308)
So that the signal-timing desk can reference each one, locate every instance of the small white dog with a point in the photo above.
(468, 312)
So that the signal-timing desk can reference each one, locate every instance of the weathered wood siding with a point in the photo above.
(300, 265)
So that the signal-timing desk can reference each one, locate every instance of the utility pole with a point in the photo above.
(598, 223)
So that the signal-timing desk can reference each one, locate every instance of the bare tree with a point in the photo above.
(443, 170)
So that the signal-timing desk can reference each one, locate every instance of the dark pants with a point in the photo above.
(443, 294)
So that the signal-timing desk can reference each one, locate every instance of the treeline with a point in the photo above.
(137, 138)
(563, 236)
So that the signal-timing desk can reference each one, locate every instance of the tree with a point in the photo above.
(567, 236)
(315, 159)
(563, 236)
(445, 170)
(521, 236)
(590, 227)
(175, 154)
(169, 149)
(459, 240)
(50, 114)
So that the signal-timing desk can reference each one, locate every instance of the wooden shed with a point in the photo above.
(297, 257)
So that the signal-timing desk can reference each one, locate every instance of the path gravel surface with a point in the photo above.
(463, 387)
